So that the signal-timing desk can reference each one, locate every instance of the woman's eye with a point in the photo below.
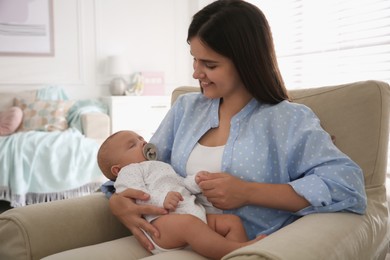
(210, 65)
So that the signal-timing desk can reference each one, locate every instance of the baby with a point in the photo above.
(126, 158)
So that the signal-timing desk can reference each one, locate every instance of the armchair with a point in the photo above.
(357, 114)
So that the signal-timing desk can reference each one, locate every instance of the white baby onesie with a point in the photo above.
(157, 179)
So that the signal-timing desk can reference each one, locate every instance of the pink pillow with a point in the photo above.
(10, 120)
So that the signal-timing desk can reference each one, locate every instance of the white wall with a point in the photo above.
(150, 33)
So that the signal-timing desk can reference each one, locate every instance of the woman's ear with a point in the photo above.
(115, 170)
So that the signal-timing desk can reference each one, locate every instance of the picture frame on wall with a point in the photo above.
(26, 28)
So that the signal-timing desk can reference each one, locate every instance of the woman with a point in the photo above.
(271, 160)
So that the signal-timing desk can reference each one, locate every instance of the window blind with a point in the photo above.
(330, 42)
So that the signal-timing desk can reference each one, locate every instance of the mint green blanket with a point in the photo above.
(43, 166)
(40, 166)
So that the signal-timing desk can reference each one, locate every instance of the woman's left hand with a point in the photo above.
(223, 190)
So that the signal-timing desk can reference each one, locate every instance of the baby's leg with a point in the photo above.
(170, 237)
(227, 225)
(178, 230)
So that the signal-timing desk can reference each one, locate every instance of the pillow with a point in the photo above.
(44, 115)
(7, 99)
(10, 120)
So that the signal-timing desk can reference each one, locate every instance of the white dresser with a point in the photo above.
(141, 114)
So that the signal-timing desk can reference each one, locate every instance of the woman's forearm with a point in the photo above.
(277, 196)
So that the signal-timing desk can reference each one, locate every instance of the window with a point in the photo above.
(330, 42)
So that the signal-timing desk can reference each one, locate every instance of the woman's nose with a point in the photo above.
(198, 74)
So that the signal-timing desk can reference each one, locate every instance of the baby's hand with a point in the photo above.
(172, 200)
(200, 176)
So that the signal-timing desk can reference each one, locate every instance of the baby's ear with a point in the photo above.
(115, 170)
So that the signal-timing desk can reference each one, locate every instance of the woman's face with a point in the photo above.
(217, 74)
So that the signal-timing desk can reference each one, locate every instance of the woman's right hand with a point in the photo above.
(122, 205)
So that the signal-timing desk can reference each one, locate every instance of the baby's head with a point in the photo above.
(119, 150)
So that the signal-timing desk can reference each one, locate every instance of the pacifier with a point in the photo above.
(150, 152)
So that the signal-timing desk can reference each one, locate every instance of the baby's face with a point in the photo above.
(127, 147)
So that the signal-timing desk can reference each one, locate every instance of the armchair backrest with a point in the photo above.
(356, 114)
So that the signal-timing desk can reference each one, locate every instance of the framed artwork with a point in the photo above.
(26, 28)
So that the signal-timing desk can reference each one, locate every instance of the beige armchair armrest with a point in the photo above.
(325, 236)
(96, 125)
(36, 231)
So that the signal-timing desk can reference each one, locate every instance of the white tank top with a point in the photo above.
(205, 158)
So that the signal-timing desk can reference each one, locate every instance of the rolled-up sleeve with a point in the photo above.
(322, 174)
